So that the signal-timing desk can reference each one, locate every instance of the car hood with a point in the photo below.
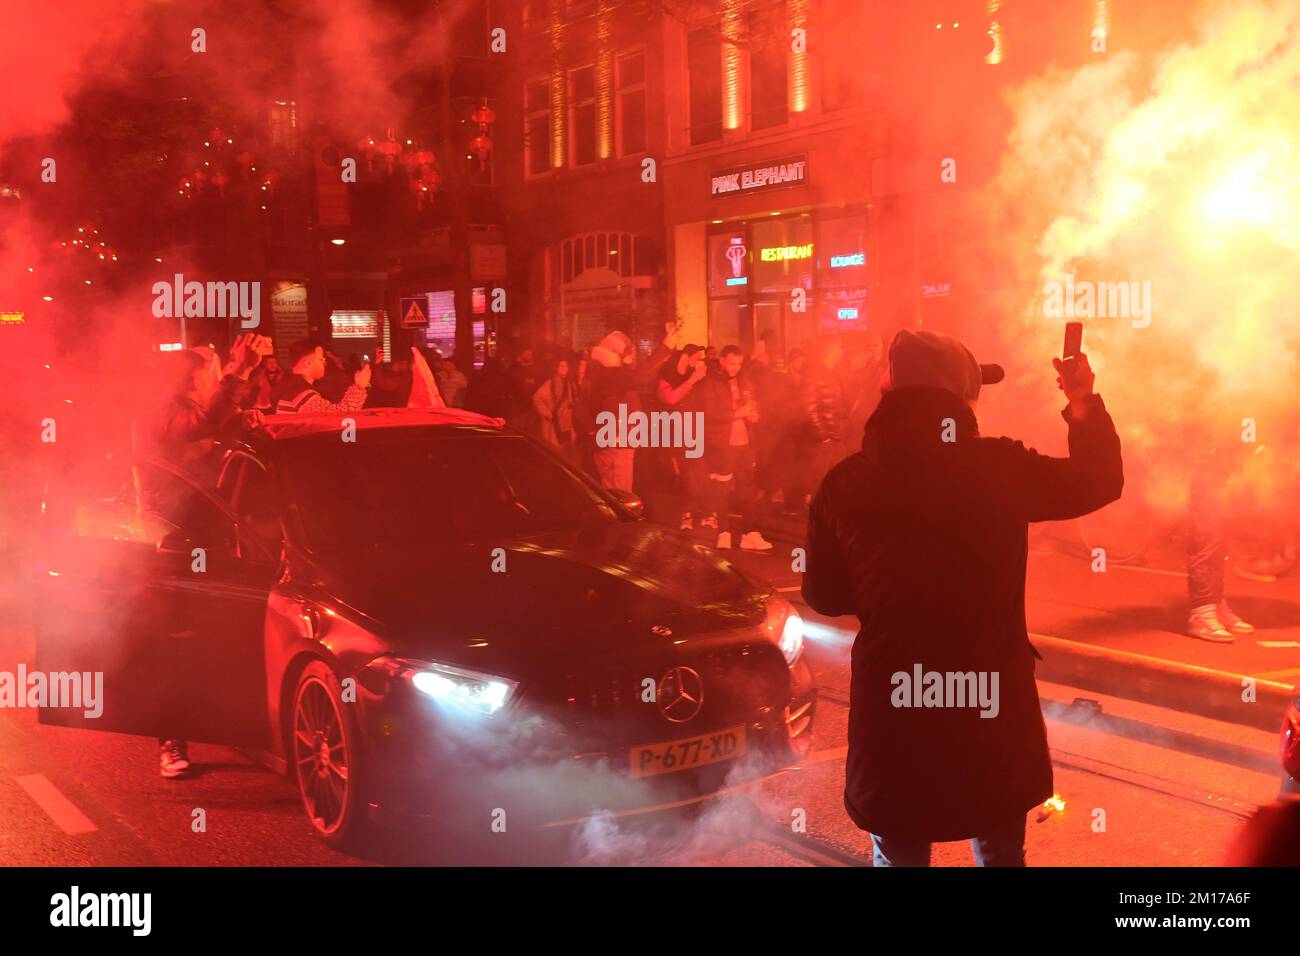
(545, 600)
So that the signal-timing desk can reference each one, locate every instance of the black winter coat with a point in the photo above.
(925, 540)
(715, 402)
(825, 405)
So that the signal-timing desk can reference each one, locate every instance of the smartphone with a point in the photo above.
(1073, 343)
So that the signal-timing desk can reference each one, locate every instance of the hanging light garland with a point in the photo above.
(220, 164)
(85, 242)
(419, 162)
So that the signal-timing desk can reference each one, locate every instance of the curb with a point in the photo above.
(1164, 683)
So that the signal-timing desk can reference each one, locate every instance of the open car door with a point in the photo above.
(117, 574)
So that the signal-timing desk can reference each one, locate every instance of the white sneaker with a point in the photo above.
(1228, 617)
(173, 761)
(1204, 623)
(724, 541)
(754, 541)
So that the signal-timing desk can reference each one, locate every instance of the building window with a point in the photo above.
(769, 82)
(631, 104)
(843, 53)
(620, 252)
(537, 127)
(704, 66)
(582, 115)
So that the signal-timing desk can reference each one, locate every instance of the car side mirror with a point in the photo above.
(630, 501)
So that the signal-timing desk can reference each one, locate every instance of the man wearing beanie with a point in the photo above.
(923, 535)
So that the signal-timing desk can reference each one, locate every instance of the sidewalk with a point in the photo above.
(1121, 633)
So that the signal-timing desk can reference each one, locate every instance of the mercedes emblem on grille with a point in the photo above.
(680, 694)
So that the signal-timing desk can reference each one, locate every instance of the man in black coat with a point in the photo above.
(923, 535)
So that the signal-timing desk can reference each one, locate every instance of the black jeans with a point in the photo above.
(1003, 846)
(736, 493)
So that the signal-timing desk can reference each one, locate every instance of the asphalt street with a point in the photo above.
(1130, 797)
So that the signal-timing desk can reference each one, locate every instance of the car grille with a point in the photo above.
(742, 682)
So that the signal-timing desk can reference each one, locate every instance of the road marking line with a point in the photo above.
(795, 588)
(59, 808)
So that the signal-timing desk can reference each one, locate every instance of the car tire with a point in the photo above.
(325, 754)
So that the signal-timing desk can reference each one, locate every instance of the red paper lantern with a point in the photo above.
(366, 144)
(421, 157)
(481, 146)
(391, 150)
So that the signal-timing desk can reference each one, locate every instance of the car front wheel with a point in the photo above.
(326, 752)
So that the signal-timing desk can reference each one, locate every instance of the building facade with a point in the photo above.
(795, 167)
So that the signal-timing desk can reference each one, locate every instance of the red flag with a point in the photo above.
(424, 390)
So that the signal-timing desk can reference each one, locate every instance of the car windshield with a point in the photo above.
(395, 487)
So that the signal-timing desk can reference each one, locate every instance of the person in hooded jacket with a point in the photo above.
(617, 380)
(923, 535)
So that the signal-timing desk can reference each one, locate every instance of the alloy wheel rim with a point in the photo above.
(320, 752)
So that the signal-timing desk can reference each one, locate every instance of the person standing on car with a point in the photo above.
(923, 535)
(297, 392)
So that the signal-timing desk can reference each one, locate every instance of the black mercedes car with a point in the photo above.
(422, 614)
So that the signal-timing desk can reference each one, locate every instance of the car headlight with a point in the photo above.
(461, 687)
(784, 627)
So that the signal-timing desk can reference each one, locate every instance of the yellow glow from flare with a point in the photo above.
(1054, 804)
(1249, 192)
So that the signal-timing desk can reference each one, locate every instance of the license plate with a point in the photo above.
(672, 756)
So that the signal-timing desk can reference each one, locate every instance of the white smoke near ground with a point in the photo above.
(703, 832)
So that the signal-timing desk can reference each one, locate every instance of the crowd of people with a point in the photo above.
(773, 422)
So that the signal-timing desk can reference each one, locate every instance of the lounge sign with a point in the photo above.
(738, 180)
